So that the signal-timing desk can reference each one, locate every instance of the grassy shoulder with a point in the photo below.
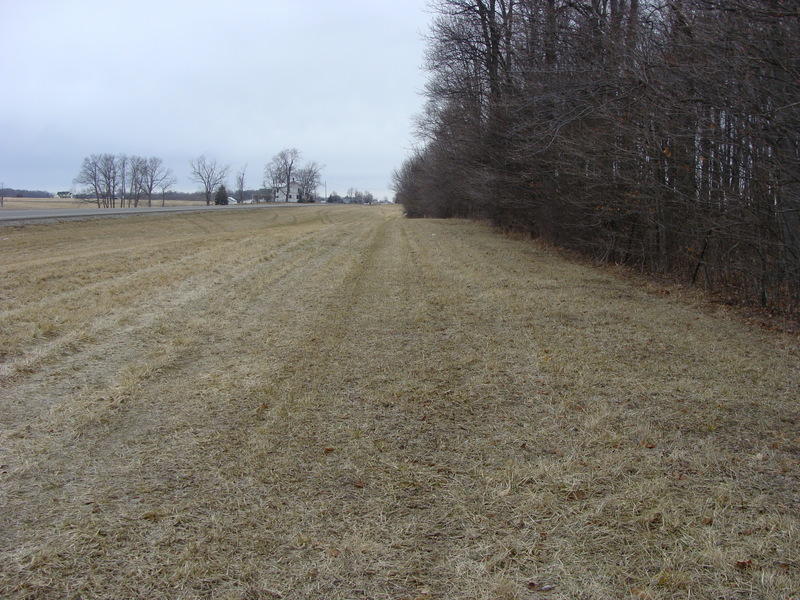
(337, 402)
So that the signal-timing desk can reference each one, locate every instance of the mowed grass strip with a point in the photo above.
(335, 402)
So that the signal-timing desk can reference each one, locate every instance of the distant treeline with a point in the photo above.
(13, 193)
(260, 194)
(661, 135)
(182, 196)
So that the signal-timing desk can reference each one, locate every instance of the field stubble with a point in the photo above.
(335, 402)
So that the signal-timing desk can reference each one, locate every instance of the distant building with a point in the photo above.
(64, 194)
(294, 193)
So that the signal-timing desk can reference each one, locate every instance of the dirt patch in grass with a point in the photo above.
(335, 402)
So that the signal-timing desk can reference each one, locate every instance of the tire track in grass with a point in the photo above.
(99, 306)
(448, 445)
(378, 443)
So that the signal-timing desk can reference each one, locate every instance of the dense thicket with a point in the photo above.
(660, 134)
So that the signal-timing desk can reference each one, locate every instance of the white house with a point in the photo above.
(294, 192)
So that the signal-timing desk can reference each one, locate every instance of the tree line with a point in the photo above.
(6, 192)
(354, 196)
(663, 135)
(279, 173)
(119, 180)
(122, 180)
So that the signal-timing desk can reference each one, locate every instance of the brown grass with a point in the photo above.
(335, 402)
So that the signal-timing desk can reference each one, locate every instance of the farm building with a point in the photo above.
(293, 196)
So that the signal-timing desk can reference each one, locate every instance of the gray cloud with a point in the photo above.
(236, 80)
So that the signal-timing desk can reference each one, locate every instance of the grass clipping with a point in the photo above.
(335, 402)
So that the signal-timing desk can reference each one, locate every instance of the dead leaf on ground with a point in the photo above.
(642, 594)
(424, 594)
(576, 495)
(537, 586)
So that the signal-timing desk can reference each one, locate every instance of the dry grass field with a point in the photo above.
(334, 402)
(44, 203)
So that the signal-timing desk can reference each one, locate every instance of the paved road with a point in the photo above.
(13, 216)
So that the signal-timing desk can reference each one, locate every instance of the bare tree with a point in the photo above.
(209, 174)
(166, 182)
(240, 184)
(309, 178)
(109, 179)
(122, 171)
(280, 169)
(137, 170)
(99, 176)
(89, 177)
(153, 174)
(658, 134)
(272, 178)
(122, 178)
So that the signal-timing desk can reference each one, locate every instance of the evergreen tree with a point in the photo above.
(221, 197)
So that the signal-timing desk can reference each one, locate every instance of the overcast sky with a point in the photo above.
(236, 80)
